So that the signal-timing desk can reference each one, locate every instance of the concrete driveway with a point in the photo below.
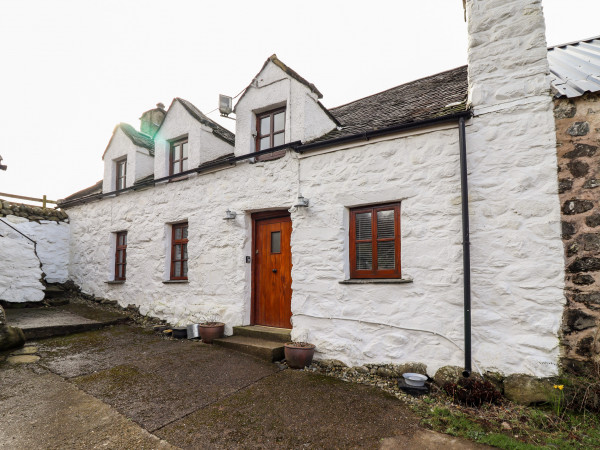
(126, 387)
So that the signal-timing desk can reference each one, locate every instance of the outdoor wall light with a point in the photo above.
(302, 202)
(229, 215)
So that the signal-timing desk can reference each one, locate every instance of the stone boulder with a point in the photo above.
(527, 390)
(11, 337)
(451, 374)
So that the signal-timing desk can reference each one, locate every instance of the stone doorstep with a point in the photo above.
(261, 332)
(264, 349)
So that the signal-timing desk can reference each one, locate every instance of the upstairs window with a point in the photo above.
(179, 255)
(178, 157)
(121, 256)
(375, 241)
(121, 174)
(270, 129)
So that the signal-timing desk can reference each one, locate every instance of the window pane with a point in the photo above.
(364, 256)
(276, 242)
(177, 253)
(184, 149)
(184, 251)
(185, 232)
(385, 224)
(279, 121)
(385, 255)
(175, 168)
(178, 233)
(363, 226)
(176, 152)
(177, 270)
(184, 165)
(265, 143)
(123, 270)
(184, 272)
(265, 125)
(278, 139)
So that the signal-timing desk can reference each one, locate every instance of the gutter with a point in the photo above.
(365, 136)
(202, 168)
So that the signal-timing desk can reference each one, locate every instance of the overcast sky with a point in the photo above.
(71, 70)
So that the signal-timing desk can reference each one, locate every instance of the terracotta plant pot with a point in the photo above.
(298, 355)
(211, 331)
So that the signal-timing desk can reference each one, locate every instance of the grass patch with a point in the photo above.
(511, 426)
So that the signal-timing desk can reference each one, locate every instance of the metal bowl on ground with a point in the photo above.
(414, 379)
(180, 332)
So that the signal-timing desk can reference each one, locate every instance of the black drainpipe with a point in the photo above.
(464, 195)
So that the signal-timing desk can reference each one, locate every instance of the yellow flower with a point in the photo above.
(560, 387)
(555, 386)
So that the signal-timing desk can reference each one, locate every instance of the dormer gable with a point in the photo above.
(188, 138)
(278, 107)
(129, 156)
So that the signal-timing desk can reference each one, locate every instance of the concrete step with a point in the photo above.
(266, 333)
(261, 348)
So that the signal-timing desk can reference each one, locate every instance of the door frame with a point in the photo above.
(257, 217)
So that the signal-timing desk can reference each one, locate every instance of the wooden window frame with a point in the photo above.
(375, 272)
(118, 164)
(172, 159)
(272, 133)
(121, 248)
(183, 242)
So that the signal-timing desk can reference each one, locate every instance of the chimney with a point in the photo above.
(151, 119)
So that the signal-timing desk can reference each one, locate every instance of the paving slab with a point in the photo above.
(152, 380)
(113, 387)
(295, 409)
(43, 411)
(60, 320)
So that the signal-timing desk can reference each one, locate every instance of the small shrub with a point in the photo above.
(472, 392)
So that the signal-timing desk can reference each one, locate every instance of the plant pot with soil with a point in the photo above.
(210, 331)
(211, 328)
(299, 355)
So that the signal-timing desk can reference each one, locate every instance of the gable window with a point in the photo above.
(179, 255)
(375, 241)
(121, 256)
(121, 174)
(178, 156)
(270, 129)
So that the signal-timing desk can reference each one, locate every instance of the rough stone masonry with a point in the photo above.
(578, 147)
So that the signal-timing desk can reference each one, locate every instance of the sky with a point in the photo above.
(71, 70)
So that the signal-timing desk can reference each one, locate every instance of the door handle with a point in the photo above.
(274, 270)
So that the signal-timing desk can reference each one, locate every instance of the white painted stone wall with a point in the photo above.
(20, 271)
(203, 144)
(139, 161)
(273, 88)
(518, 266)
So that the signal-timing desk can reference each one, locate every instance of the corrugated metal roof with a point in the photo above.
(575, 67)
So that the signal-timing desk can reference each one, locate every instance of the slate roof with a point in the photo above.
(575, 67)
(92, 190)
(438, 95)
(218, 130)
(138, 138)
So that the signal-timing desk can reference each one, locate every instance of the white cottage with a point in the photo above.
(349, 225)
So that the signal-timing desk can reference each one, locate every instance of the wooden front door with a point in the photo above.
(272, 294)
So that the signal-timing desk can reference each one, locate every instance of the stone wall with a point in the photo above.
(578, 139)
(27, 263)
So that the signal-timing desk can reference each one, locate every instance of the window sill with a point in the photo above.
(175, 281)
(181, 178)
(377, 281)
(115, 282)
